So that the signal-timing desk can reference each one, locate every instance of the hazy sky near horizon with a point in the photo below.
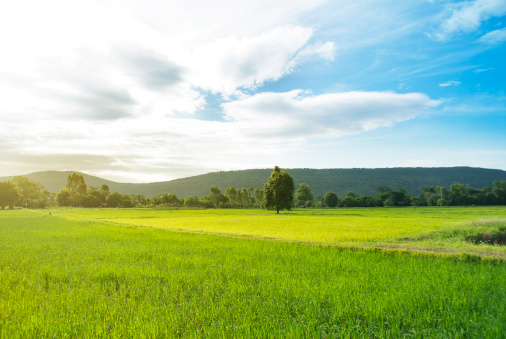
(152, 90)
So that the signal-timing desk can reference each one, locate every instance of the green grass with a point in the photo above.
(69, 278)
(435, 229)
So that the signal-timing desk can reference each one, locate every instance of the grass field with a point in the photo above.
(436, 228)
(93, 273)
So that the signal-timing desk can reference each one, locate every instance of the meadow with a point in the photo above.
(163, 273)
(441, 229)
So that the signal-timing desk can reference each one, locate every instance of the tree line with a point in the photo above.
(278, 193)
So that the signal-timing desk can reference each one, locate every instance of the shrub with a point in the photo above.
(492, 237)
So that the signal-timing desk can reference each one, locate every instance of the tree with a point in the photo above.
(31, 193)
(259, 198)
(8, 194)
(351, 194)
(191, 201)
(245, 196)
(115, 200)
(304, 194)
(76, 187)
(330, 199)
(215, 197)
(127, 201)
(140, 200)
(231, 193)
(63, 197)
(500, 191)
(90, 200)
(278, 191)
(104, 193)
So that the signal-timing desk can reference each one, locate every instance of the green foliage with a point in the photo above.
(115, 200)
(192, 201)
(165, 199)
(215, 197)
(63, 197)
(9, 194)
(206, 202)
(330, 199)
(233, 196)
(278, 191)
(31, 194)
(304, 194)
(77, 193)
(76, 187)
(90, 200)
(348, 201)
(496, 237)
(492, 232)
(240, 198)
(259, 198)
(362, 181)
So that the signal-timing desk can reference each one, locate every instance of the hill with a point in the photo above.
(362, 181)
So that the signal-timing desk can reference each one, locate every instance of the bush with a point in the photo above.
(330, 199)
(492, 237)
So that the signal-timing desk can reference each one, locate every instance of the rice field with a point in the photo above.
(435, 229)
(97, 274)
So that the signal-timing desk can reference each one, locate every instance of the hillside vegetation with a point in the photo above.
(362, 181)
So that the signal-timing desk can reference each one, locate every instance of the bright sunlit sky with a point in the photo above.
(152, 90)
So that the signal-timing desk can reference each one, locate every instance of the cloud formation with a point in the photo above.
(466, 16)
(297, 114)
(450, 83)
(162, 89)
(497, 36)
(229, 63)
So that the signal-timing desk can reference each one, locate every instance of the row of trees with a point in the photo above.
(277, 194)
(458, 195)
(21, 191)
(462, 195)
(77, 194)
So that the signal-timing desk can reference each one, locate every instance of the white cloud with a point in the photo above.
(497, 36)
(325, 50)
(196, 22)
(116, 87)
(481, 70)
(130, 62)
(298, 115)
(450, 83)
(262, 126)
(467, 16)
(233, 62)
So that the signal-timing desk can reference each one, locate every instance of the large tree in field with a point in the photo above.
(278, 191)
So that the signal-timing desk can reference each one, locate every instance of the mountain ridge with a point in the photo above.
(362, 181)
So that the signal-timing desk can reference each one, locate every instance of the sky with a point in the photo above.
(152, 90)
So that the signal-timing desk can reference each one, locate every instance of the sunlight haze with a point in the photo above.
(144, 91)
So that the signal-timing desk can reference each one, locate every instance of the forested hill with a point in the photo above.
(362, 181)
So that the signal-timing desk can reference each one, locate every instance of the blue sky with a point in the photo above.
(156, 90)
